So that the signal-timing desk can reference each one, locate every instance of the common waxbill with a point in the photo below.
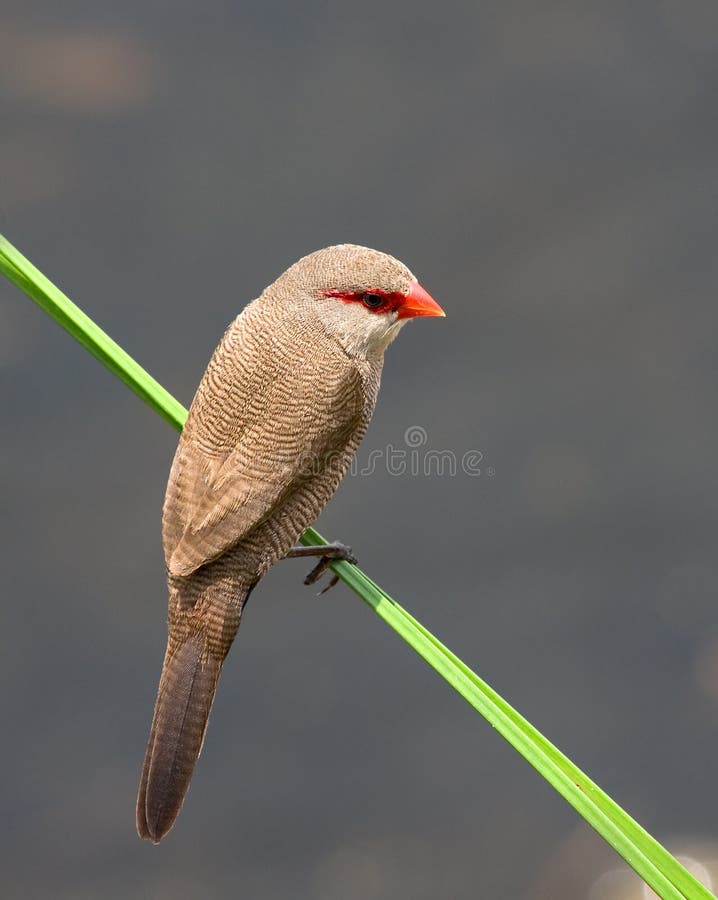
(275, 422)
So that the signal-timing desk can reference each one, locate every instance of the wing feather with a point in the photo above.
(219, 492)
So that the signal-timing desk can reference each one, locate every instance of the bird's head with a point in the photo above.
(361, 297)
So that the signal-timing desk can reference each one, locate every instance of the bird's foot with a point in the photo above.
(328, 553)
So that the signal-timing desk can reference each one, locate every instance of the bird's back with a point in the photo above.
(273, 427)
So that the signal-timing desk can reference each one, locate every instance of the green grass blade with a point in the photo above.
(661, 871)
(668, 864)
(642, 852)
(30, 280)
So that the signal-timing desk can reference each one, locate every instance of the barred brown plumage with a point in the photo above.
(275, 422)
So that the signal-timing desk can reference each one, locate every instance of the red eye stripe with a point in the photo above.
(392, 299)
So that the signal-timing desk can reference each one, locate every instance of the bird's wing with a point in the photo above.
(302, 425)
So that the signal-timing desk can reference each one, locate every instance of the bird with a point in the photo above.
(275, 422)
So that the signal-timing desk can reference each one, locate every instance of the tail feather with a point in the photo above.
(183, 704)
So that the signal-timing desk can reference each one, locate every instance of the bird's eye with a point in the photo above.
(373, 301)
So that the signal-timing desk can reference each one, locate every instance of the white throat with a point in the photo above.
(360, 332)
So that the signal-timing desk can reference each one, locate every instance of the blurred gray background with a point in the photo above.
(550, 172)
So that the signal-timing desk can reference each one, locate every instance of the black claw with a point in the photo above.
(317, 571)
(329, 585)
(330, 553)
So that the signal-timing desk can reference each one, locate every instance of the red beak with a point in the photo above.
(418, 302)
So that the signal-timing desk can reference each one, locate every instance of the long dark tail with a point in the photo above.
(184, 700)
